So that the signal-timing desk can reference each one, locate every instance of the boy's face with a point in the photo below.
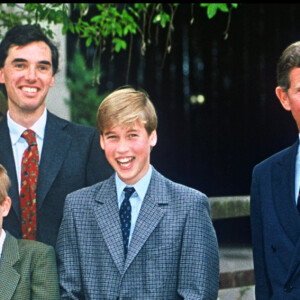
(4, 210)
(127, 149)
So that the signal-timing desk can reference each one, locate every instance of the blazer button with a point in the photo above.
(273, 248)
(288, 288)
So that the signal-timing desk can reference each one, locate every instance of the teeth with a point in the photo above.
(125, 160)
(30, 90)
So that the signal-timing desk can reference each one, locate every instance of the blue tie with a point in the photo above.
(125, 217)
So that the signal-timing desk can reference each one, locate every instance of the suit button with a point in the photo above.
(288, 288)
(273, 248)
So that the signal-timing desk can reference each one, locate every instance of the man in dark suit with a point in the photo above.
(28, 269)
(136, 235)
(68, 154)
(275, 186)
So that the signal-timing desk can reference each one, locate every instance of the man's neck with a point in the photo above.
(26, 119)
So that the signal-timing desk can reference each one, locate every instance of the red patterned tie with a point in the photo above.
(29, 176)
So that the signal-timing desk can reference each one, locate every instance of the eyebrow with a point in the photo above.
(43, 62)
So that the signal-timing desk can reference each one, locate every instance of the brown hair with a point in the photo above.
(125, 106)
(4, 184)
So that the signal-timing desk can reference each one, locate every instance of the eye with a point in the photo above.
(133, 135)
(111, 137)
(44, 67)
(19, 66)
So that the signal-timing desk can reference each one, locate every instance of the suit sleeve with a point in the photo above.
(68, 257)
(199, 263)
(262, 288)
(44, 279)
(98, 169)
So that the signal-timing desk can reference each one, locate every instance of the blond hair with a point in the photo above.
(124, 107)
(4, 184)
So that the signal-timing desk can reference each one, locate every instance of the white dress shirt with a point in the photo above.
(19, 144)
(137, 197)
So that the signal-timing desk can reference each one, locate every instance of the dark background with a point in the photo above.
(213, 146)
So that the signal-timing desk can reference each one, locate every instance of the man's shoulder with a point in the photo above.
(69, 125)
(288, 152)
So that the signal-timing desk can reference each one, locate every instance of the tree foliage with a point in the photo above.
(108, 20)
(103, 26)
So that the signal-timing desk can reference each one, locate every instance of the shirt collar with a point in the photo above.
(16, 129)
(140, 187)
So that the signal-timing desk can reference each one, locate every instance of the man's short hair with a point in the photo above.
(289, 59)
(22, 35)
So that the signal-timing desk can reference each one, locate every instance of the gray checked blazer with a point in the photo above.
(173, 253)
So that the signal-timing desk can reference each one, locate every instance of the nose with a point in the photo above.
(31, 74)
(122, 146)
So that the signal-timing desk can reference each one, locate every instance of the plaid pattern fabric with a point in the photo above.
(28, 271)
(173, 252)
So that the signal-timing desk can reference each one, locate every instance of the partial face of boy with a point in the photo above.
(27, 75)
(127, 149)
(4, 210)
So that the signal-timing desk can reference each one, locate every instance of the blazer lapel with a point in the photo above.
(107, 216)
(55, 148)
(7, 159)
(9, 277)
(152, 211)
(283, 193)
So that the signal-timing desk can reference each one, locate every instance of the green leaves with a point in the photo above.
(212, 8)
(97, 23)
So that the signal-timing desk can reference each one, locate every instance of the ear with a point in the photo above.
(101, 142)
(52, 81)
(6, 204)
(153, 138)
(1, 76)
(283, 98)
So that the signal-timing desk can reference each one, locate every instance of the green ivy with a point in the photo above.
(84, 97)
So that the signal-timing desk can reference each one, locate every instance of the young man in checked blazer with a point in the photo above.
(27, 268)
(170, 250)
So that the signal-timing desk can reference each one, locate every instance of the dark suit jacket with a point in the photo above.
(173, 253)
(71, 159)
(28, 271)
(276, 227)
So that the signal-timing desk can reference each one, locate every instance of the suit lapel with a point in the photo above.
(152, 211)
(7, 160)
(55, 148)
(9, 277)
(283, 192)
(107, 216)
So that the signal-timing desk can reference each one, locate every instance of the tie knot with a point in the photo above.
(29, 136)
(128, 192)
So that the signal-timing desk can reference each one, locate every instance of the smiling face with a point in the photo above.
(27, 75)
(127, 149)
